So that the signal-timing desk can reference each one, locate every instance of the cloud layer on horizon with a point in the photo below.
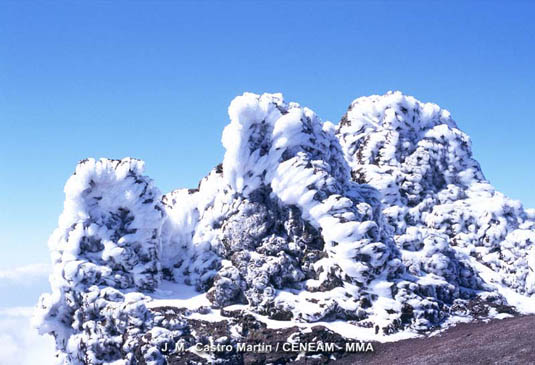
(20, 342)
(24, 275)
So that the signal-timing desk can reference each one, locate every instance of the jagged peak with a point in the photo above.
(395, 110)
(384, 220)
(416, 146)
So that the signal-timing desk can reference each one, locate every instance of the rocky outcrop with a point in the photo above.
(384, 221)
(433, 190)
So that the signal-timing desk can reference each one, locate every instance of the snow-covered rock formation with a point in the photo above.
(432, 189)
(384, 221)
(108, 240)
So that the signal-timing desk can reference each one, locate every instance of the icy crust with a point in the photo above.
(432, 190)
(108, 237)
(281, 155)
(280, 213)
(384, 223)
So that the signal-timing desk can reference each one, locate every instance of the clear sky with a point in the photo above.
(153, 80)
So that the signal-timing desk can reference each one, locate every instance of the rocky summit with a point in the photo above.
(379, 228)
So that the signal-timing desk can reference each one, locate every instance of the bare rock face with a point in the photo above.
(384, 221)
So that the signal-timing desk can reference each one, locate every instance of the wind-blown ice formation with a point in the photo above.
(430, 186)
(107, 240)
(384, 221)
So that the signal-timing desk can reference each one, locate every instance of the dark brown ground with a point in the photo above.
(507, 341)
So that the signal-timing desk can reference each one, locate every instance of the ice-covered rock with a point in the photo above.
(108, 239)
(384, 221)
(432, 188)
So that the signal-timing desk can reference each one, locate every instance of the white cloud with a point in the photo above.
(21, 286)
(20, 343)
(16, 312)
(25, 275)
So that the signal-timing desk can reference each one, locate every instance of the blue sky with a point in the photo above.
(153, 80)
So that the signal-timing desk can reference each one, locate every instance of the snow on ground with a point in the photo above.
(185, 296)
(524, 304)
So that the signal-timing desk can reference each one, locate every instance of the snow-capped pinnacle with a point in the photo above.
(414, 154)
(385, 220)
(414, 149)
(108, 236)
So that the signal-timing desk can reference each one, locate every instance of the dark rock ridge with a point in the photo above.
(384, 221)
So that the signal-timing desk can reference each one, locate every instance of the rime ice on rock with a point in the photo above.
(433, 190)
(385, 220)
(280, 157)
(108, 239)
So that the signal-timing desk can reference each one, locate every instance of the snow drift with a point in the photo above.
(384, 221)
